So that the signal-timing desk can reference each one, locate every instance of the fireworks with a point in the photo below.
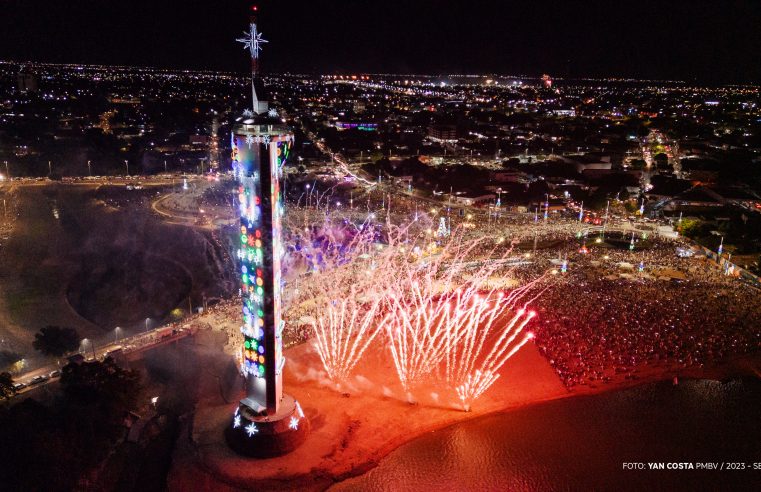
(440, 313)
(342, 287)
(446, 319)
(344, 331)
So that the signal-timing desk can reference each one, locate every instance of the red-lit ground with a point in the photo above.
(352, 431)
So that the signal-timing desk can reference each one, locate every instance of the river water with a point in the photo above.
(581, 444)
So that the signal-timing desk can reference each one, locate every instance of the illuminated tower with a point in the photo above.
(267, 421)
(260, 148)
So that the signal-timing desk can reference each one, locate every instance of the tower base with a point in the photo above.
(267, 436)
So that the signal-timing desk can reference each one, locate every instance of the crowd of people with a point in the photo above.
(597, 322)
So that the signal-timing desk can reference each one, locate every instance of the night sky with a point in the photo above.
(695, 40)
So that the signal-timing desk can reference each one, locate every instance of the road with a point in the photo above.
(136, 343)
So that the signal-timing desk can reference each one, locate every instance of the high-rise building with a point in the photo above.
(26, 82)
(442, 133)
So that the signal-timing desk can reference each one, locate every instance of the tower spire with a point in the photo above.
(253, 41)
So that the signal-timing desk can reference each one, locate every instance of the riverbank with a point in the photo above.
(355, 426)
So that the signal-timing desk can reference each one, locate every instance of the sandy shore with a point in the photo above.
(355, 426)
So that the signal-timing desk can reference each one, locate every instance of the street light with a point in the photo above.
(89, 169)
(146, 323)
(84, 343)
(116, 334)
(126, 163)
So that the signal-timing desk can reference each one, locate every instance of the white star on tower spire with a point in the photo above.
(252, 41)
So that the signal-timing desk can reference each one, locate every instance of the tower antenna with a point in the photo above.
(252, 41)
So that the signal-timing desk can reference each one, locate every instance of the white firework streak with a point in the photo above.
(348, 297)
(459, 328)
(344, 332)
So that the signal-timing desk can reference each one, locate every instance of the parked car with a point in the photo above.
(55, 374)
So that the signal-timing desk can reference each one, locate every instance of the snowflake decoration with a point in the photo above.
(294, 423)
(249, 140)
(252, 41)
(272, 113)
(266, 140)
(251, 429)
(248, 113)
(236, 422)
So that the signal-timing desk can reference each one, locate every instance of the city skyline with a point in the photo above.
(694, 43)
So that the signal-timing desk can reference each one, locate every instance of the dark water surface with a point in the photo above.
(581, 444)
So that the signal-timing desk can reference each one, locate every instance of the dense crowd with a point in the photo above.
(677, 311)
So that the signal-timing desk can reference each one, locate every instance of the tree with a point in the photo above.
(661, 160)
(104, 387)
(56, 340)
(9, 358)
(6, 385)
(691, 227)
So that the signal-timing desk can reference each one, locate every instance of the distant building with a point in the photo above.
(357, 125)
(473, 199)
(564, 112)
(197, 140)
(26, 82)
(696, 198)
(510, 177)
(589, 162)
(133, 101)
(442, 133)
(546, 81)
